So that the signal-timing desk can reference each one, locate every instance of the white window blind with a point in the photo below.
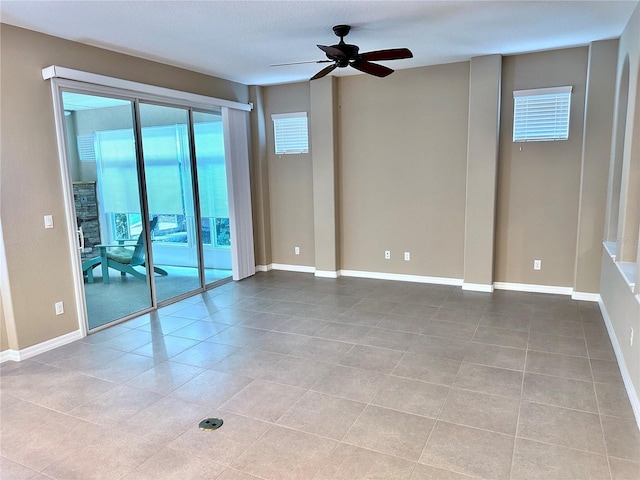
(290, 132)
(541, 114)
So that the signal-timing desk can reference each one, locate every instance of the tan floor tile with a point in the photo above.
(501, 337)
(624, 469)
(534, 460)
(561, 426)
(115, 406)
(322, 350)
(427, 472)
(489, 412)
(297, 372)
(559, 365)
(170, 464)
(388, 431)
(14, 471)
(323, 415)
(622, 438)
(469, 451)
(427, 368)
(606, 372)
(543, 342)
(411, 396)
(165, 377)
(351, 383)
(280, 450)
(263, 400)
(371, 358)
(613, 400)
(561, 392)
(495, 356)
(211, 388)
(348, 462)
(440, 347)
(491, 380)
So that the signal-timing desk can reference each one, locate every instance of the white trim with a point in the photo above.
(477, 287)
(236, 156)
(276, 116)
(626, 377)
(401, 277)
(585, 296)
(528, 287)
(264, 268)
(293, 268)
(7, 355)
(327, 274)
(542, 91)
(69, 205)
(192, 99)
(32, 351)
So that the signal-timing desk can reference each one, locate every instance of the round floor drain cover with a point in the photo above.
(210, 423)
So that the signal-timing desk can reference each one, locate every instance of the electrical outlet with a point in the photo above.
(296, 250)
(387, 254)
(407, 256)
(59, 308)
(537, 264)
(631, 337)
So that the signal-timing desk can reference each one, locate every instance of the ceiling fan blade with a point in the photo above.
(332, 51)
(299, 63)
(390, 54)
(324, 72)
(371, 68)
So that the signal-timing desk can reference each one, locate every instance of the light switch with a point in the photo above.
(48, 221)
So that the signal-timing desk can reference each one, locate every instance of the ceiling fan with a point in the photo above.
(344, 55)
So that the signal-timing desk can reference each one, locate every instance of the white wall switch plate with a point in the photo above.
(59, 308)
(48, 221)
(296, 250)
(537, 264)
(407, 256)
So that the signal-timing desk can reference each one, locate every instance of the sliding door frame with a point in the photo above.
(64, 79)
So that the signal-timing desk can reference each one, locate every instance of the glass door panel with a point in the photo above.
(101, 150)
(168, 179)
(212, 190)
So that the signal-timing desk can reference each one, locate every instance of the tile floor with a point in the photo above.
(328, 379)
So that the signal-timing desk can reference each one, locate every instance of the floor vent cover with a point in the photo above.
(210, 424)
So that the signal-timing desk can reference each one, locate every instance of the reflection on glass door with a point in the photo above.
(212, 190)
(169, 187)
(101, 149)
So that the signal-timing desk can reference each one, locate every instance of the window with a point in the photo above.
(542, 114)
(290, 132)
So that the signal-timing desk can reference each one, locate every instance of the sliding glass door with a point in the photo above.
(102, 156)
(151, 202)
(170, 197)
(213, 196)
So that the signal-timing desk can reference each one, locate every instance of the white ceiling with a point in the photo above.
(239, 40)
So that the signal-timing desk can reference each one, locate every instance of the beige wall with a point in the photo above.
(598, 124)
(4, 341)
(538, 182)
(621, 304)
(38, 260)
(403, 166)
(290, 183)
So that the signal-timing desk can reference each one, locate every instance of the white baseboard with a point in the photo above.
(293, 268)
(263, 268)
(401, 277)
(528, 287)
(7, 355)
(585, 297)
(626, 378)
(327, 274)
(477, 287)
(32, 351)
